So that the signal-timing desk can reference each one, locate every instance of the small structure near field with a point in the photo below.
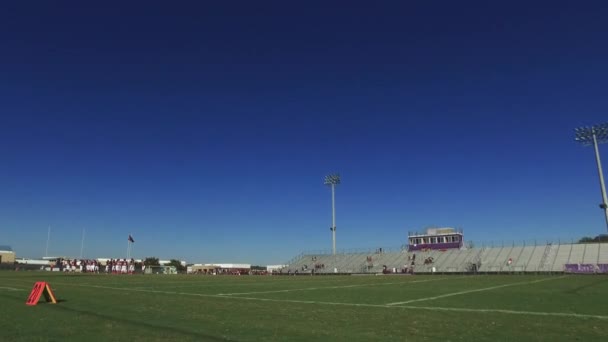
(435, 239)
(7, 256)
(160, 270)
(215, 269)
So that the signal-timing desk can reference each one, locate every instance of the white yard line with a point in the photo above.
(432, 308)
(474, 290)
(10, 288)
(511, 312)
(335, 287)
(221, 295)
(195, 283)
(150, 288)
(171, 286)
(429, 308)
(215, 284)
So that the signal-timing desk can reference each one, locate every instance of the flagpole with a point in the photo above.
(48, 238)
(82, 244)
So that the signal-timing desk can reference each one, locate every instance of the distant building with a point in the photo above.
(161, 270)
(273, 268)
(219, 268)
(104, 261)
(435, 238)
(167, 262)
(7, 256)
(40, 262)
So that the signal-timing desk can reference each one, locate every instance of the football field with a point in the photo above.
(305, 308)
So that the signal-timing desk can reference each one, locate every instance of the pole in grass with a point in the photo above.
(82, 245)
(48, 239)
(333, 180)
(595, 135)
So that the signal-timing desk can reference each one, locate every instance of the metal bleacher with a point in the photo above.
(350, 263)
(534, 264)
(390, 260)
(488, 260)
(602, 258)
(521, 261)
(457, 261)
(501, 260)
(562, 257)
(440, 259)
(444, 259)
(536, 258)
(577, 254)
(512, 254)
(592, 253)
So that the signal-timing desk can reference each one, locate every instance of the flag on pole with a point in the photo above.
(131, 239)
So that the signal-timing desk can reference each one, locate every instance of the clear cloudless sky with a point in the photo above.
(205, 128)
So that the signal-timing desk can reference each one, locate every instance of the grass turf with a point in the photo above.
(304, 308)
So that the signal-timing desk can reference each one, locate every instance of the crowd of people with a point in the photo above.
(112, 266)
(76, 265)
(121, 266)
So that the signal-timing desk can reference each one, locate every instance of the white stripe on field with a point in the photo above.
(288, 280)
(10, 288)
(474, 290)
(511, 312)
(142, 289)
(247, 283)
(429, 308)
(202, 282)
(335, 287)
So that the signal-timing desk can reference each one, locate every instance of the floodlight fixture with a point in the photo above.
(333, 180)
(595, 135)
(587, 135)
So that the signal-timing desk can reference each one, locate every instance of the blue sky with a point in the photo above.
(205, 130)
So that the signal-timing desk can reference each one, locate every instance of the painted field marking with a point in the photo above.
(202, 282)
(10, 288)
(164, 283)
(335, 287)
(474, 290)
(408, 307)
(221, 295)
(510, 312)
(278, 280)
(143, 289)
(431, 308)
(247, 283)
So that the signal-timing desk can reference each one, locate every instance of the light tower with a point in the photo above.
(333, 180)
(595, 135)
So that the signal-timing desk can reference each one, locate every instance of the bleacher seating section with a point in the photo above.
(539, 258)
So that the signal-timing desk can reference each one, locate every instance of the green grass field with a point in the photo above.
(305, 308)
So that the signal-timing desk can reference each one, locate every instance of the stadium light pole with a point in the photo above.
(333, 180)
(595, 135)
(48, 239)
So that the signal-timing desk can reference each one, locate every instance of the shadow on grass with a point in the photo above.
(44, 302)
(146, 324)
(585, 286)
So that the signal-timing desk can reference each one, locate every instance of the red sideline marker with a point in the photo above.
(40, 288)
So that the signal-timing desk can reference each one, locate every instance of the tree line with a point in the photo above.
(152, 261)
(597, 239)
